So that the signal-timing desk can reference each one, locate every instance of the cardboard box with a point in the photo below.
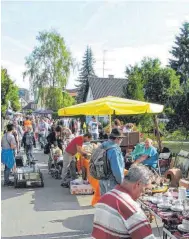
(81, 189)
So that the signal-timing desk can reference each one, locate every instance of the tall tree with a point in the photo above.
(9, 92)
(49, 63)
(150, 82)
(63, 99)
(135, 83)
(87, 70)
(180, 53)
(180, 112)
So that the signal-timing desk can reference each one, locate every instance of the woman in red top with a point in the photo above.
(74, 147)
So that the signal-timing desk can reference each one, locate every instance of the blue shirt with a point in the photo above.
(152, 157)
(116, 160)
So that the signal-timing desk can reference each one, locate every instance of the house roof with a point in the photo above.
(72, 92)
(29, 105)
(21, 98)
(102, 87)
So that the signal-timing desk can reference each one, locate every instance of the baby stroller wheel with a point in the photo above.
(60, 172)
(56, 175)
(15, 182)
(52, 173)
(42, 180)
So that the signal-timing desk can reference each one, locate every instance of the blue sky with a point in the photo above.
(127, 30)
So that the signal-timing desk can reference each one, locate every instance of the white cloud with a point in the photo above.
(117, 59)
(94, 18)
(16, 43)
(186, 18)
(15, 71)
(171, 22)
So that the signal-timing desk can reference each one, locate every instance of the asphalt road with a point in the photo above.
(45, 213)
(50, 212)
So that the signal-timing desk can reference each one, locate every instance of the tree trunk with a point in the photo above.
(157, 132)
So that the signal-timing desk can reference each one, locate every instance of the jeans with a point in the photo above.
(95, 136)
(29, 152)
(68, 163)
(42, 138)
(106, 185)
(6, 175)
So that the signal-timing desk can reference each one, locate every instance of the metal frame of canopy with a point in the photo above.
(114, 106)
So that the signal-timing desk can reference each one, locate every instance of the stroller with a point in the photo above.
(55, 164)
(27, 174)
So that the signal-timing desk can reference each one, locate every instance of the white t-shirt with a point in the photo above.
(93, 127)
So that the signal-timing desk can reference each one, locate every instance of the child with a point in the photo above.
(57, 161)
(56, 151)
(28, 141)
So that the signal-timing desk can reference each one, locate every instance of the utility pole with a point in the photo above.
(103, 62)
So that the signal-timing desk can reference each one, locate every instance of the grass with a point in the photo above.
(175, 147)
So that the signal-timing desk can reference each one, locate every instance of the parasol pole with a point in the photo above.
(157, 132)
(110, 119)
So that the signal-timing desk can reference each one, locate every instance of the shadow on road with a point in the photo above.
(50, 198)
(79, 223)
(66, 235)
(55, 199)
(11, 192)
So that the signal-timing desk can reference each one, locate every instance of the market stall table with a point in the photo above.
(169, 231)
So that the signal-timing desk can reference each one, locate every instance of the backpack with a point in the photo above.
(99, 166)
(29, 139)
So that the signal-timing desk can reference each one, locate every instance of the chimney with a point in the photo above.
(110, 76)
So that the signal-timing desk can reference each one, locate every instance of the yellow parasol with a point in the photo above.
(111, 105)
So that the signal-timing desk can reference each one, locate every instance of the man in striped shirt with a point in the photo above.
(118, 215)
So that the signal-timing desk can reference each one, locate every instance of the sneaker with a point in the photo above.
(64, 185)
(10, 183)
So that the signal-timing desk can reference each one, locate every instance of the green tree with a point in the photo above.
(149, 81)
(62, 99)
(180, 114)
(135, 84)
(180, 53)
(9, 92)
(86, 71)
(49, 64)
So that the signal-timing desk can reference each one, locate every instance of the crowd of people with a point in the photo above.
(117, 214)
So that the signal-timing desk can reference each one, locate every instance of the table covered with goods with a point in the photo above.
(172, 208)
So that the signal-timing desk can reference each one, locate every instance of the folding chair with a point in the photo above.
(164, 162)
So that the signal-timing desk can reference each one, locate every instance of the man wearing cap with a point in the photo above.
(116, 161)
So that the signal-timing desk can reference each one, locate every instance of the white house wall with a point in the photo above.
(90, 98)
(89, 95)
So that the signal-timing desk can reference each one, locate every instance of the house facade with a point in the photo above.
(24, 94)
(72, 92)
(23, 102)
(102, 87)
(30, 106)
